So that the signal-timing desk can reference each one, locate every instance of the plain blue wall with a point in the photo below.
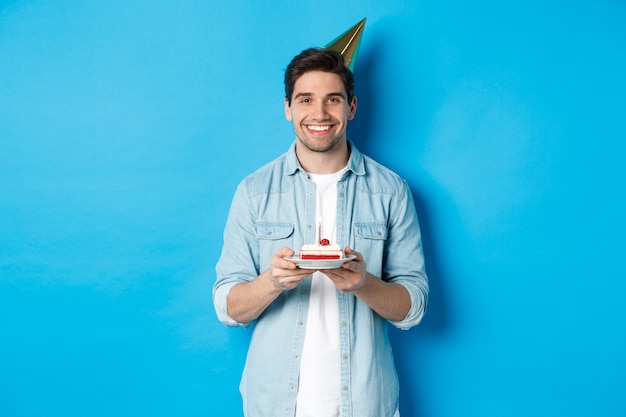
(125, 127)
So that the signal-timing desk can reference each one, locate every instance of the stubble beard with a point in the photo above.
(318, 144)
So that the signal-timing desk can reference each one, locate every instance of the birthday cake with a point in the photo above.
(321, 251)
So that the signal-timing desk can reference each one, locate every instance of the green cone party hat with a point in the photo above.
(347, 44)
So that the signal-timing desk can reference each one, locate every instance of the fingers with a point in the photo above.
(350, 251)
(285, 274)
(284, 252)
(351, 275)
(287, 279)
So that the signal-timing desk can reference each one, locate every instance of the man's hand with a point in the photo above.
(247, 300)
(390, 300)
(352, 275)
(285, 274)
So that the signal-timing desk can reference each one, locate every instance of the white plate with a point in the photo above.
(320, 264)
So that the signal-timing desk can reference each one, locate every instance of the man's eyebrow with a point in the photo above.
(334, 94)
(303, 95)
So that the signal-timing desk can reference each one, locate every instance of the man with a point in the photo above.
(319, 345)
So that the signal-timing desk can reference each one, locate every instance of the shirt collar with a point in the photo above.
(355, 163)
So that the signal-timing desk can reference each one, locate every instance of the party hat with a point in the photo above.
(348, 44)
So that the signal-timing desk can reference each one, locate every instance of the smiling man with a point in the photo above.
(320, 110)
(320, 346)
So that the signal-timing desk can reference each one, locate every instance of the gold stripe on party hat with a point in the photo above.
(347, 44)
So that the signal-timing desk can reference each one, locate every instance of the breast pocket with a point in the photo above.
(370, 239)
(271, 237)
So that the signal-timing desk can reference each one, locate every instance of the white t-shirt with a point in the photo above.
(319, 392)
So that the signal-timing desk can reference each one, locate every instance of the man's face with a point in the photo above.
(320, 110)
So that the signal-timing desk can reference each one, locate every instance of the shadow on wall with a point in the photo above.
(408, 346)
(359, 129)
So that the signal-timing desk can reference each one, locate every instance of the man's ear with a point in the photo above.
(287, 110)
(352, 108)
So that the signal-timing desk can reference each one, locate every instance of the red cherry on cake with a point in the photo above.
(324, 242)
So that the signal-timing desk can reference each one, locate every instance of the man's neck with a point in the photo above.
(327, 162)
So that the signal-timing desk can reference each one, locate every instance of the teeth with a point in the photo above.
(318, 128)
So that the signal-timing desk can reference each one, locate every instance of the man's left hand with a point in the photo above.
(352, 275)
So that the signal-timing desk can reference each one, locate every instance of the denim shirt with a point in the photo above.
(275, 207)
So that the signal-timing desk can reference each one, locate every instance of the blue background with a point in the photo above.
(125, 127)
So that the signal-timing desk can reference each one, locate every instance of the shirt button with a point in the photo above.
(310, 194)
(345, 388)
(300, 323)
(341, 194)
(345, 356)
(343, 323)
(340, 226)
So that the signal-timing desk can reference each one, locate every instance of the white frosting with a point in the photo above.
(317, 246)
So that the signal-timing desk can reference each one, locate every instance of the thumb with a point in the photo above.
(285, 251)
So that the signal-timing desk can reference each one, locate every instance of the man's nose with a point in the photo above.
(320, 111)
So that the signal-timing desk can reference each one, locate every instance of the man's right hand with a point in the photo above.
(247, 300)
(285, 274)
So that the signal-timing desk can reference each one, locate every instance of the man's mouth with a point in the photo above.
(319, 128)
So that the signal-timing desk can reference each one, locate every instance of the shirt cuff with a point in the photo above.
(220, 301)
(417, 310)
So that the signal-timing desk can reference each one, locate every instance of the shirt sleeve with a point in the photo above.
(239, 252)
(404, 257)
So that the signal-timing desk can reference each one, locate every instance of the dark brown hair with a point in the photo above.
(318, 59)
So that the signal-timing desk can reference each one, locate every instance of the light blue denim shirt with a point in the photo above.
(275, 207)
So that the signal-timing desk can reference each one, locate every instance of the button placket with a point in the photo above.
(344, 344)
